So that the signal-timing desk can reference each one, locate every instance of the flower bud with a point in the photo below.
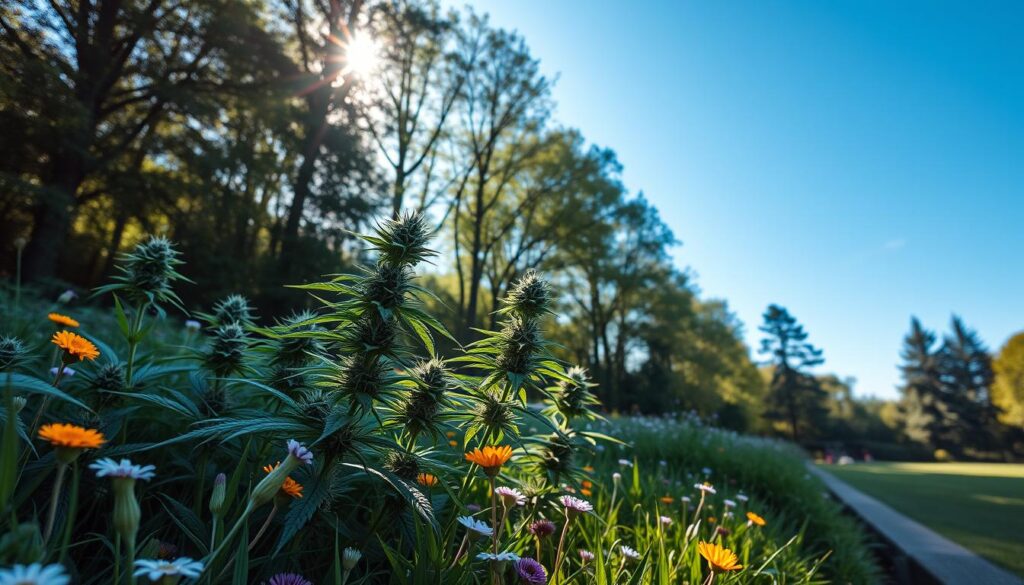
(217, 497)
(126, 508)
(349, 558)
(271, 484)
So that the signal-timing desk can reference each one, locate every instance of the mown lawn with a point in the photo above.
(979, 505)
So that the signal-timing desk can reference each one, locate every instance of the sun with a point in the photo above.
(361, 55)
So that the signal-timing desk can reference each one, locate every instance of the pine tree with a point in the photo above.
(795, 396)
(966, 374)
(925, 413)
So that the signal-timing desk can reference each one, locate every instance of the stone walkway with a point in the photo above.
(944, 561)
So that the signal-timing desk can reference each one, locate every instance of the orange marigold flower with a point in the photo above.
(712, 519)
(426, 479)
(490, 458)
(75, 345)
(587, 484)
(453, 443)
(290, 487)
(719, 558)
(589, 469)
(71, 436)
(667, 500)
(755, 519)
(62, 320)
(586, 492)
(450, 434)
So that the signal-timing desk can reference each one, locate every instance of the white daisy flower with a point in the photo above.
(477, 526)
(629, 553)
(107, 467)
(500, 557)
(510, 496)
(155, 570)
(34, 574)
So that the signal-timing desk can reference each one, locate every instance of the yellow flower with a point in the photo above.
(712, 519)
(719, 558)
(62, 320)
(426, 479)
(589, 469)
(754, 518)
(290, 486)
(71, 436)
(490, 458)
(75, 345)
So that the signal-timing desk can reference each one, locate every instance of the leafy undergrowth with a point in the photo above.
(336, 446)
(665, 458)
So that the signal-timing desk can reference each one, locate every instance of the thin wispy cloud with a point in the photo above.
(895, 244)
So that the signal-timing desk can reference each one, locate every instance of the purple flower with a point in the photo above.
(586, 556)
(575, 504)
(531, 572)
(542, 528)
(298, 451)
(510, 496)
(288, 579)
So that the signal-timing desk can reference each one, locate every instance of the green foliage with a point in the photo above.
(795, 397)
(947, 393)
(386, 426)
(1008, 385)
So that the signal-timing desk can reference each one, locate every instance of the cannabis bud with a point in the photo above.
(401, 463)
(110, 377)
(572, 397)
(12, 352)
(227, 349)
(232, 309)
(519, 340)
(529, 297)
(403, 240)
(147, 273)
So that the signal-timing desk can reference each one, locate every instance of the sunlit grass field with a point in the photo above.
(979, 505)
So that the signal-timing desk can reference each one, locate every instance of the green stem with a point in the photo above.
(494, 532)
(52, 516)
(129, 574)
(561, 546)
(133, 342)
(117, 558)
(69, 523)
(215, 555)
(197, 499)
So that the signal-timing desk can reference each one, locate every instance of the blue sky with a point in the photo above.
(858, 162)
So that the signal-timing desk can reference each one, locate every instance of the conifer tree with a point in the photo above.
(924, 408)
(795, 396)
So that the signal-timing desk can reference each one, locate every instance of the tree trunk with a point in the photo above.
(53, 215)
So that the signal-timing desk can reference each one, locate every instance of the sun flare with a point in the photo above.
(361, 55)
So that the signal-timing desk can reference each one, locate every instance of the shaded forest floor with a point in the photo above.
(979, 505)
